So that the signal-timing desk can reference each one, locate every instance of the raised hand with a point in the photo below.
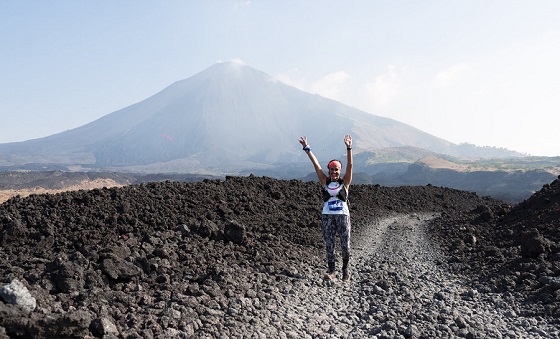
(303, 141)
(348, 141)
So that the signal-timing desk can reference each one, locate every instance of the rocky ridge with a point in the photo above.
(243, 257)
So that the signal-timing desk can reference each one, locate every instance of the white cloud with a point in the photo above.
(291, 78)
(453, 75)
(234, 60)
(382, 89)
(237, 61)
(332, 85)
(242, 4)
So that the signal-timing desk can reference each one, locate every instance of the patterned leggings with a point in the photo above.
(331, 224)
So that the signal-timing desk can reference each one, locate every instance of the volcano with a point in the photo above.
(229, 116)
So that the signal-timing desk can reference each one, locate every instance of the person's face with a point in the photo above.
(334, 170)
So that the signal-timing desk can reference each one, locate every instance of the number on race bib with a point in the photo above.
(335, 205)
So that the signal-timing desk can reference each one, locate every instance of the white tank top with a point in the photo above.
(334, 205)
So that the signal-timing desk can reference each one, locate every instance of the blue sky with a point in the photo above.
(483, 72)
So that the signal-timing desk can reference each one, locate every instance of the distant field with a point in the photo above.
(551, 165)
(86, 185)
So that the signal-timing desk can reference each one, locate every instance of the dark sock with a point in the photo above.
(345, 267)
(331, 267)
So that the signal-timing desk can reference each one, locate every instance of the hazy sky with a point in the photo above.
(483, 72)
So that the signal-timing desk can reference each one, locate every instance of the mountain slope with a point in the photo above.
(229, 115)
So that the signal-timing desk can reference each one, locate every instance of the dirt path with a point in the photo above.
(399, 288)
(85, 185)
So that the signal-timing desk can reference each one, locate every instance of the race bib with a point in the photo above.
(335, 205)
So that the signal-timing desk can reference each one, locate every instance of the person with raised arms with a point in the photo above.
(336, 215)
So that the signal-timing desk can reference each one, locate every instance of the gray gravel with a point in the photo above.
(399, 288)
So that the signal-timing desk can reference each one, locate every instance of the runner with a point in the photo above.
(335, 216)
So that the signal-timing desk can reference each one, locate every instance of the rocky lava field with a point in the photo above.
(244, 257)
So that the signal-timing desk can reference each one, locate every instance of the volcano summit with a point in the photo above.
(227, 118)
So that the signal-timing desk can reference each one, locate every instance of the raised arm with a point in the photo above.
(348, 173)
(320, 175)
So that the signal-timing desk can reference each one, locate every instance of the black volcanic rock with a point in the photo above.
(517, 247)
(208, 258)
